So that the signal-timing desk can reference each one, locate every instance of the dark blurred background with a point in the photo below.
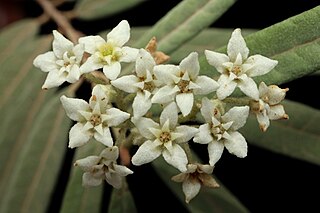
(264, 181)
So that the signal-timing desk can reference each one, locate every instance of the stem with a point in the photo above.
(60, 19)
(187, 149)
(237, 101)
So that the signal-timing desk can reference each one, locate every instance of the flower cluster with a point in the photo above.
(125, 102)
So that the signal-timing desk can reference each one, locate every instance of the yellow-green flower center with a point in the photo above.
(165, 137)
(95, 120)
(106, 49)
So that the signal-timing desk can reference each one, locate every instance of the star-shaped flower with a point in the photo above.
(182, 83)
(220, 131)
(93, 118)
(268, 107)
(62, 63)
(163, 139)
(192, 180)
(142, 83)
(103, 167)
(108, 54)
(237, 69)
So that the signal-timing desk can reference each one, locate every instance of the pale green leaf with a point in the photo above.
(184, 22)
(77, 198)
(293, 42)
(215, 200)
(30, 173)
(121, 200)
(298, 137)
(88, 9)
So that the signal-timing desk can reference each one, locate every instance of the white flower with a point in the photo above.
(182, 83)
(103, 167)
(237, 69)
(93, 118)
(268, 107)
(142, 83)
(192, 180)
(108, 54)
(220, 131)
(62, 64)
(163, 139)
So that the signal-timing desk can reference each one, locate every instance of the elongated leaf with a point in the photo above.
(88, 9)
(36, 165)
(184, 22)
(298, 137)
(78, 198)
(213, 200)
(21, 95)
(293, 42)
(122, 201)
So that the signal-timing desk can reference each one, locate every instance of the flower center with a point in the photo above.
(95, 120)
(183, 86)
(165, 137)
(106, 49)
(149, 86)
(236, 69)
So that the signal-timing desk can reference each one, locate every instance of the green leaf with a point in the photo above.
(184, 22)
(217, 200)
(77, 198)
(122, 200)
(88, 9)
(298, 137)
(31, 175)
(293, 42)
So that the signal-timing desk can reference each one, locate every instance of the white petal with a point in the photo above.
(170, 113)
(126, 83)
(226, 88)
(237, 115)
(277, 112)
(104, 138)
(91, 64)
(129, 54)
(204, 135)
(110, 155)
(144, 62)
(276, 94)
(215, 150)
(46, 62)
(190, 189)
(78, 136)
(87, 163)
(237, 45)
(141, 104)
(185, 102)
(89, 180)
(114, 180)
(53, 80)
(206, 84)
(263, 89)
(167, 73)
(60, 44)
(248, 87)
(216, 59)
(207, 109)
(146, 153)
(112, 70)
(237, 146)
(116, 116)
(78, 51)
(72, 106)
(74, 74)
(263, 121)
(188, 132)
(165, 94)
(143, 125)
(260, 65)
(122, 170)
(91, 43)
(176, 157)
(120, 34)
(190, 64)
